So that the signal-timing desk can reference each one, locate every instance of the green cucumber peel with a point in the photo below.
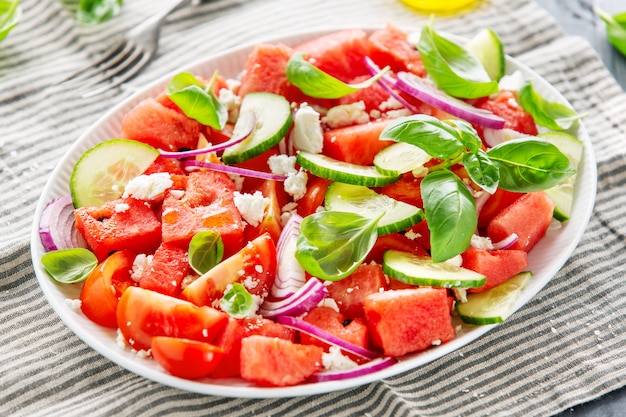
(316, 83)
(550, 114)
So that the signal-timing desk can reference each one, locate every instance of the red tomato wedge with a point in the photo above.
(186, 358)
(104, 286)
(143, 314)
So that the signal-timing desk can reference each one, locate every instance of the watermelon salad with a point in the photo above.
(338, 205)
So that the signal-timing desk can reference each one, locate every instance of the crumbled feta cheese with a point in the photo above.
(346, 115)
(512, 82)
(390, 104)
(481, 242)
(455, 261)
(282, 164)
(335, 360)
(307, 134)
(250, 282)
(460, 294)
(411, 234)
(230, 101)
(148, 187)
(140, 264)
(436, 342)
(177, 194)
(251, 206)
(295, 185)
(330, 303)
(233, 84)
(238, 180)
(121, 207)
(73, 304)
(395, 114)
(187, 280)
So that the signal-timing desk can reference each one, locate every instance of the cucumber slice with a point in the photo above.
(273, 120)
(368, 203)
(399, 158)
(495, 304)
(417, 270)
(103, 171)
(332, 169)
(488, 48)
(563, 194)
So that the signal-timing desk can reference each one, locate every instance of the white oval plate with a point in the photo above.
(545, 260)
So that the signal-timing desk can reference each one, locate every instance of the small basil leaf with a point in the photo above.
(92, 12)
(332, 244)
(316, 83)
(528, 165)
(615, 29)
(453, 68)
(10, 13)
(553, 115)
(197, 101)
(437, 138)
(238, 302)
(68, 266)
(482, 170)
(206, 250)
(450, 214)
(467, 134)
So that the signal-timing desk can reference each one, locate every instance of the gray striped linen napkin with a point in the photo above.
(564, 347)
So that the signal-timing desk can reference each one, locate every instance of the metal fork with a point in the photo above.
(126, 57)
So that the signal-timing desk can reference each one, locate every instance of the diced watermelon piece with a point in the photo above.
(409, 320)
(162, 164)
(340, 54)
(207, 204)
(529, 217)
(107, 229)
(335, 323)
(266, 70)
(497, 202)
(271, 223)
(407, 189)
(506, 105)
(390, 46)
(372, 96)
(152, 123)
(497, 265)
(350, 292)
(397, 241)
(169, 265)
(357, 144)
(271, 361)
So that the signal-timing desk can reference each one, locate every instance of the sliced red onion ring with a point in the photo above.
(302, 300)
(361, 370)
(326, 337)
(290, 275)
(192, 164)
(426, 91)
(507, 242)
(387, 83)
(244, 127)
(493, 137)
(56, 226)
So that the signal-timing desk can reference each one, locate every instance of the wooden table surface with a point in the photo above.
(578, 18)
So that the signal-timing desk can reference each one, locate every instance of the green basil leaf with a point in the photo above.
(482, 170)
(467, 134)
(553, 115)
(10, 13)
(68, 266)
(436, 137)
(206, 250)
(316, 83)
(332, 244)
(92, 12)
(528, 165)
(615, 29)
(450, 214)
(238, 302)
(452, 67)
(197, 101)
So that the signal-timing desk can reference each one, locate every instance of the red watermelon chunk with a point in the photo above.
(372, 96)
(120, 224)
(497, 265)
(408, 320)
(390, 46)
(506, 106)
(335, 323)
(272, 361)
(166, 271)
(266, 70)
(497, 202)
(350, 292)
(357, 144)
(159, 126)
(529, 217)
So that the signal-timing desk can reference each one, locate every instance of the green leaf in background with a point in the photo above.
(450, 213)
(615, 28)
(550, 114)
(10, 13)
(92, 12)
(68, 266)
(206, 250)
(238, 302)
(332, 244)
(196, 100)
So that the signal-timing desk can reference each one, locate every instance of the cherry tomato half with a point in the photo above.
(186, 358)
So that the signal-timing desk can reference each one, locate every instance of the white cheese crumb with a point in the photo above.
(307, 134)
(512, 82)
(480, 242)
(230, 101)
(121, 207)
(177, 194)
(258, 268)
(140, 264)
(412, 234)
(250, 282)
(282, 164)
(436, 342)
(251, 206)
(455, 261)
(335, 360)
(330, 303)
(395, 114)
(73, 304)
(295, 184)
(148, 187)
(390, 104)
(346, 115)
(238, 180)
(205, 333)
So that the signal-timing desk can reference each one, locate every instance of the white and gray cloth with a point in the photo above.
(566, 346)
